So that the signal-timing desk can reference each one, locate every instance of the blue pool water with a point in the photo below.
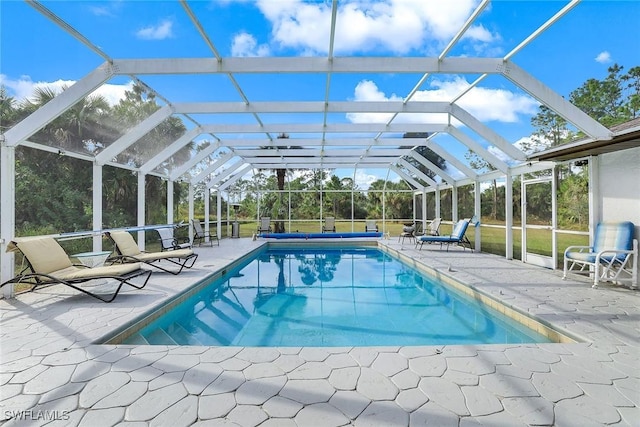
(330, 297)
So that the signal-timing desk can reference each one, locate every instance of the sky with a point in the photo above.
(594, 35)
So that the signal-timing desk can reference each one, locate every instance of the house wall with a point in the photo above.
(620, 187)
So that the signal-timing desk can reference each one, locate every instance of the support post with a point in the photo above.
(141, 209)
(8, 213)
(508, 215)
(97, 205)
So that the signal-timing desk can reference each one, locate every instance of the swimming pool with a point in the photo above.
(343, 296)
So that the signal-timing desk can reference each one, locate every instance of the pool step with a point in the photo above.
(181, 336)
(137, 339)
(160, 337)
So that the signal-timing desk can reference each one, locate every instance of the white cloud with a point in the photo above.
(23, 88)
(161, 31)
(363, 179)
(245, 44)
(362, 25)
(603, 57)
(486, 104)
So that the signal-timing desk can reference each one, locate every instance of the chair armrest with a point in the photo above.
(580, 249)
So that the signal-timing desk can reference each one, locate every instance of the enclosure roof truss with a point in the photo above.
(238, 148)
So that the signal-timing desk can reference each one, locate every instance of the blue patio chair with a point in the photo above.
(612, 258)
(457, 237)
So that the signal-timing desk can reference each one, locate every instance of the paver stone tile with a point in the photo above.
(382, 413)
(258, 354)
(428, 366)
(314, 354)
(256, 392)
(310, 371)
(200, 376)
(375, 386)
(289, 362)
(554, 387)
(262, 370)
(73, 419)
(154, 402)
(124, 396)
(247, 415)
(227, 381)
(471, 365)
(364, 355)
(176, 362)
(480, 401)
(68, 389)
(630, 388)
(434, 415)
(145, 374)
(444, 393)
(89, 370)
(28, 374)
(219, 354)
(166, 379)
(406, 379)
(15, 404)
(507, 386)
(280, 407)
(181, 414)
(498, 419)
(102, 417)
(345, 378)
(69, 357)
(530, 410)
(279, 422)
(308, 391)
(630, 415)
(583, 411)
(350, 403)
(341, 360)
(113, 356)
(19, 365)
(134, 362)
(390, 364)
(411, 399)
(461, 378)
(216, 405)
(49, 380)
(605, 394)
(412, 352)
(320, 414)
(234, 364)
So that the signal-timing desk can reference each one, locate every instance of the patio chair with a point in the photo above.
(265, 225)
(127, 250)
(408, 232)
(169, 243)
(613, 256)
(434, 227)
(49, 264)
(329, 224)
(457, 237)
(371, 226)
(199, 235)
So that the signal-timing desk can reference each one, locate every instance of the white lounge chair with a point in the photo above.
(199, 235)
(371, 226)
(613, 256)
(265, 225)
(169, 242)
(329, 224)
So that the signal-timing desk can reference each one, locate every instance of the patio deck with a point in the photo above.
(51, 370)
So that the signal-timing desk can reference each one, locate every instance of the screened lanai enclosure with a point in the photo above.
(199, 137)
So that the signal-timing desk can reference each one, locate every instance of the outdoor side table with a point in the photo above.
(92, 259)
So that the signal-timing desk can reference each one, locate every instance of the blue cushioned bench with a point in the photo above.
(318, 235)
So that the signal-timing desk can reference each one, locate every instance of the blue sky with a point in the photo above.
(581, 45)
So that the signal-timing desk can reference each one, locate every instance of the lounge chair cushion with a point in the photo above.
(75, 273)
(150, 256)
(126, 244)
(44, 254)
